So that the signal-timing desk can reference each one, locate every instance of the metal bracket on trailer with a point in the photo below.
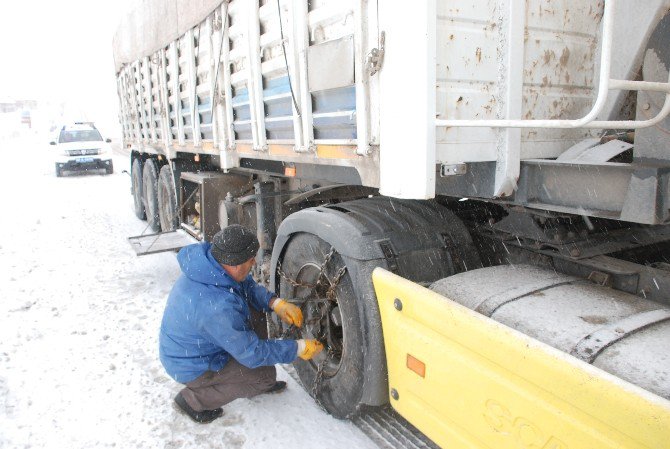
(593, 344)
(161, 242)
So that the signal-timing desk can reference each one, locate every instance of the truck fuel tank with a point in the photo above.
(620, 333)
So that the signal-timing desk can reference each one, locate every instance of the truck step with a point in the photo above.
(384, 426)
(389, 430)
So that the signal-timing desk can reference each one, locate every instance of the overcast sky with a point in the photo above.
(61, 51)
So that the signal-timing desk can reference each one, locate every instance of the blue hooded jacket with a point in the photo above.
(207, 320)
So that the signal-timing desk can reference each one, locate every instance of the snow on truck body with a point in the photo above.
(547, 119)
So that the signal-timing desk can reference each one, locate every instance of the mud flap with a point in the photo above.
(467, 381)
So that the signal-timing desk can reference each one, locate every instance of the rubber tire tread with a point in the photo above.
(167, 200)
(150, 194)
(136, 189)
(340, 394)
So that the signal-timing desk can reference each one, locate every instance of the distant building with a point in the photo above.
(9, 105)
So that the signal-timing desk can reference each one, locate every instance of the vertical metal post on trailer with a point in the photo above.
(509, 139)
(292, 58)
(137, 105)
(192, 95)
(407, 100)
(211, 74)
(165, 104)
(123, 107)
(300, 13)
(141, 82)
(148, 89)
(176, 94)
(226, 85)
(255, 77)
(362, 80)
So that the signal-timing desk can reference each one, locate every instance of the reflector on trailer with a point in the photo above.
(289, 171)
(416, 365)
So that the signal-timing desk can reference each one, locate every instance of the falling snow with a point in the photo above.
(78, 354)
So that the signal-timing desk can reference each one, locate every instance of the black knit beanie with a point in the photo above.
(234, 245)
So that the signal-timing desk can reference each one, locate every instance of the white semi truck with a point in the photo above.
(470, 200)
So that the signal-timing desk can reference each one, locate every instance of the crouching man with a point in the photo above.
(213, 336)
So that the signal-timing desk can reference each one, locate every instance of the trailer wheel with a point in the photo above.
(167, 200)
(136, 177)
(150, 194)
(331, 315)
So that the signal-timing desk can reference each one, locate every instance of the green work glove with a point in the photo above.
(287, 312)
(308, 348)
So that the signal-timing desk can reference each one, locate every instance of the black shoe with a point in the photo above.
(203, 417)
(278, 387)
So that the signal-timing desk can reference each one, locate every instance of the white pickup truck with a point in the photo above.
(80, 147)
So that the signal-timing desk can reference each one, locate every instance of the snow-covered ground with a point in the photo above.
(79, 319)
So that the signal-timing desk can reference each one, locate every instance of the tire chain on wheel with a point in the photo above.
(293, 331)
(316, 386)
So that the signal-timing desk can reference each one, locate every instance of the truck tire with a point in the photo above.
(338, 387)
(59, 171)
(150, 194)
(167, 200)
(136, 189)
(110, 168)
(419, 240)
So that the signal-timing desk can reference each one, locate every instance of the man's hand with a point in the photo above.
(287, 312)
(309, 348)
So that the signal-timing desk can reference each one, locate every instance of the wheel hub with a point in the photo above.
(322, 317)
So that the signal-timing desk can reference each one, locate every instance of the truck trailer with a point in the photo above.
(469, 200)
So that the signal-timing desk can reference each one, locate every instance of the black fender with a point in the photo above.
(399, 235)
(357, 250)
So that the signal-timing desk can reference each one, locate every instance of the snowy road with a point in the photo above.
(79, 324)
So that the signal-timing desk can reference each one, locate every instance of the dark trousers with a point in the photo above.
(216, 388)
